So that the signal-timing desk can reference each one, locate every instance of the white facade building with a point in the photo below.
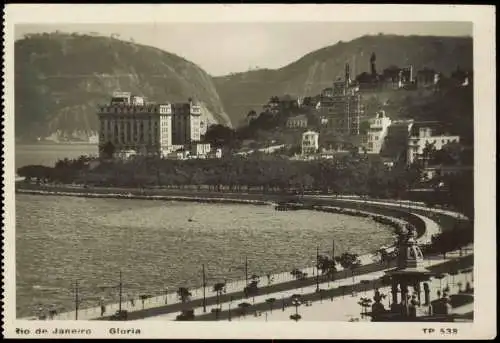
(417, 143)
(200, 149)
(377, 132)
(129, 124)
(310, 142)
(216, 153)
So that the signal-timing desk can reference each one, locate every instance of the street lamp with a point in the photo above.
(204, 290)
(229, 313)
(317, 269)
(77, 300)
(120, 293)
(296, 301)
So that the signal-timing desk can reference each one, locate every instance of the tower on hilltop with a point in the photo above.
(373, 59)
(347, 74)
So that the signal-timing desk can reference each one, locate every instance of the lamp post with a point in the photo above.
(77, 300)
(296, 301)
(317, 269)
(120, 293)
(246, 271)
(204, 289)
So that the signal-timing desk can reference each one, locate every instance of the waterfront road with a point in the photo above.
(342, 295)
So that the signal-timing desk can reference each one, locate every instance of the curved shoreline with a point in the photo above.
(143, 197)
(244, 198)
(326, 207)
(397, 224)
(223, 198)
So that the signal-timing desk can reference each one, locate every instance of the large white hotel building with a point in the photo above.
(131, 124)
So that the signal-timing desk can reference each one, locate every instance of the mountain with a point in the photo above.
(242, 92)
(60, 79)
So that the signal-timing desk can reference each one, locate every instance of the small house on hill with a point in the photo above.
(299, 121)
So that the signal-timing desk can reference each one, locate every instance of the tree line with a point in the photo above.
(353, 174)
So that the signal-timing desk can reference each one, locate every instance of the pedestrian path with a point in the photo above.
(340, 308)
(347, 308)
(394, 203)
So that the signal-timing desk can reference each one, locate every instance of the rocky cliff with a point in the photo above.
(61, 78)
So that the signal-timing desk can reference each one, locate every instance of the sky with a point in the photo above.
(225, 47)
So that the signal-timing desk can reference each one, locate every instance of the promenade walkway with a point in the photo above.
(392, 203)
(231, 287)
(339, 308)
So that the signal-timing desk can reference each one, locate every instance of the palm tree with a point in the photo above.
(219, 288)
(349, 261)
(365, 303)
(327, 265)
(270, 302)
(143, 298)
(296, 273)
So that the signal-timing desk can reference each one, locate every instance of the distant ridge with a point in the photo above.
(242, 92)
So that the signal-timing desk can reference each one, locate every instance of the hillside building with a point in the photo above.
(397, 78)
(433, 171)
(283, 103)
(342, 106)
(374, 139)
(392, 77)
(295, 122)
(461, 78)
(426, 135)
(310, 142)
(427, 78)
(395, 143)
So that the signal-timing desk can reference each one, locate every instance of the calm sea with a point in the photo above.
(158, 244)
(48, 154)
